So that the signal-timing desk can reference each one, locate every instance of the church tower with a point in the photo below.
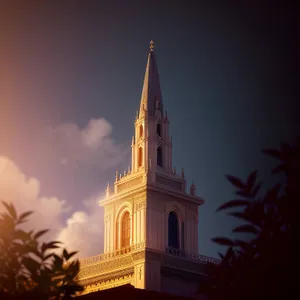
(151, 220)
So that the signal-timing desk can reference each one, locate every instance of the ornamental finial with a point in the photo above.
(151, 45)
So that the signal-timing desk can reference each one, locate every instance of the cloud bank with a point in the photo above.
(74, 148)
(92, 145)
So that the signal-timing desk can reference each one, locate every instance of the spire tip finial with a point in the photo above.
(151, 45)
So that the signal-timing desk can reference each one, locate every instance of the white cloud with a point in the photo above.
(25, 194)
(78, 223)
(84, 230)
(91, 145)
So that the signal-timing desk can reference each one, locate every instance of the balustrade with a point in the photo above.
(105, 256)
(199, 257)
(178, 252)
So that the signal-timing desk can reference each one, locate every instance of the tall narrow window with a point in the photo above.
(158, 129)
(159, 157)
(125, 230)
(173, 230)
(141, 131)
(140, 157)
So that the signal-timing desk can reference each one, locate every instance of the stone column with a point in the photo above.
(138, 226)
(105, 233)
(142, 223)
(135, 227)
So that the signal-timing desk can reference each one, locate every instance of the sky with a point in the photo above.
(70, 83)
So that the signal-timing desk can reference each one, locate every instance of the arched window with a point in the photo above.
(173, 230)
(125, 230)
(141, 131)
(159, 157)
(140, 157)
(158, 129)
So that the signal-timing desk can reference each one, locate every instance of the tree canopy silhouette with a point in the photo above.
(261, 265)
(30, 269)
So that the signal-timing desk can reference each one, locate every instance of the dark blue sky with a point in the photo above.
(229, 77)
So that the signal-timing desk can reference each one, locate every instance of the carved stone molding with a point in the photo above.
(107, 218)
(135, 253)
(140, 205)
(109, 283)
(108, 276)
(129, 184)
(138, 256)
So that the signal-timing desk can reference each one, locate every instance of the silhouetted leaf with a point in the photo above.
(31, 265)
(272, 194)
(236, 181)
(50, 245)
(278, 169)
(246, 229)
(11, 210)
(57, 262)
(47, 256)
(22, 235)
(223, 241)
(67, 255)
(27, 270)
(272, 152)
(256, 189)
(24, 215)
(40, 233)
(242, 244)
(233, 203)
(244, 216)
(251, 179)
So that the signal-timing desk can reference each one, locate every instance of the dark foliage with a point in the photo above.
(264, 266)
(30, 269)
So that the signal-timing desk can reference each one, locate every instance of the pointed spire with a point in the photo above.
(193, 189)
(107, 190)
(151, 99)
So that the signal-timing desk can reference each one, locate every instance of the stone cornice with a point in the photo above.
(129, 193)
(160, 189)
(176, 194)
(107, 276)
(107, 265)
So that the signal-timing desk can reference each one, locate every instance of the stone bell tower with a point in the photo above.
(151, 221)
